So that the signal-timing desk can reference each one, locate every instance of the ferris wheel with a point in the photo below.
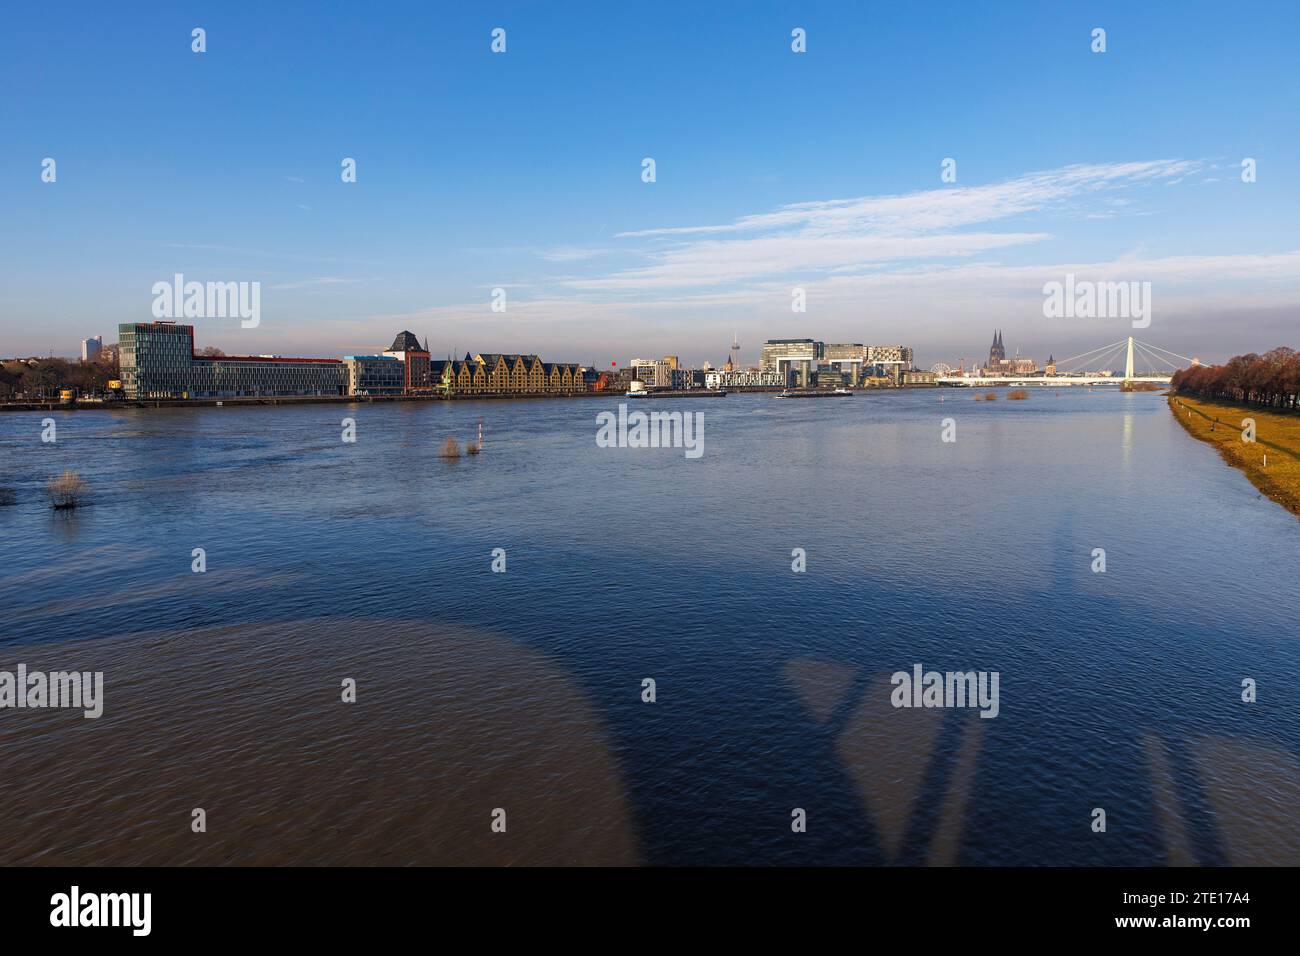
(941, 369)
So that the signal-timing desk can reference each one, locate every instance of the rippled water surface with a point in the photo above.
(522, 691)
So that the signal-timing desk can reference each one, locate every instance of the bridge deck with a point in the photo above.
(961, 380)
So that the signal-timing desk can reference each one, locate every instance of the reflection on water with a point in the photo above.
(522, 690)
(447, 727)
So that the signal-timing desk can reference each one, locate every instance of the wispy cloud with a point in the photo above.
(319, 281)
(808, 239)
(944, 208)
(571, 253)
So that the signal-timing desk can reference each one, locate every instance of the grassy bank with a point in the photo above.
(1271, 462)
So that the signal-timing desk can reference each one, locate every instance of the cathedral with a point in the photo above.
(997, 354)
(999, 364)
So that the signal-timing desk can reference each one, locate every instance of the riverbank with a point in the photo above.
(55, 406)
(1271, 461)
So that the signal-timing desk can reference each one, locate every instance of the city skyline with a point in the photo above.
(775, 170)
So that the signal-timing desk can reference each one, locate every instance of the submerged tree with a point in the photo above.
(66, 491)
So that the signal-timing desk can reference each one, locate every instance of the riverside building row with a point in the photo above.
(808, 362)
(158, 361)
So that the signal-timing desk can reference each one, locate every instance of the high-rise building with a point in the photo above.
(889, 355)
(847, 357)
(90, 348)
(889, 361)
(796, 359)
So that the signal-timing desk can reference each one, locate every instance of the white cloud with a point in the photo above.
(808, 238)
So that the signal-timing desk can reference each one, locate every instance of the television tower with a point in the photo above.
(735, 351)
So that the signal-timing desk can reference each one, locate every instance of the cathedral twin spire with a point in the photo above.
(997, 352)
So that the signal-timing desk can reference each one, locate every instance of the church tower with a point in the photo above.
(997, 352)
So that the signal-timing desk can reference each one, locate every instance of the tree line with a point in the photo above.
(28, 379)
(1271, 380)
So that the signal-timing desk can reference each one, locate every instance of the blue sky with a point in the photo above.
(774, 170)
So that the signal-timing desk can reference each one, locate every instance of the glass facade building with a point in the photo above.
(375, 374)
(158, 361)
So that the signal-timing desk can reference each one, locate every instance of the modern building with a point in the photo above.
(375, 374)
(848, 357)
(889, 361)
(742, 378)
(919, 377)
(830, 376)
(158, 361)
(796, 359)
(90, 348)
(687, 378)
(655, 373)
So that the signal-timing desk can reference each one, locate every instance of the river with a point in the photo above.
(517, 695)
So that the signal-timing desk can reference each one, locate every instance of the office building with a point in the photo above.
(158, 361)
(90, 348)
(655, 373)
(687, 378)
(795, 359)
(742, 378)
(375, 374)
(889, 361)
(848, 357)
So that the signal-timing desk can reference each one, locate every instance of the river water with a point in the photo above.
(518, 695)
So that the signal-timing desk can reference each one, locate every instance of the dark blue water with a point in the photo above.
(1119, 690)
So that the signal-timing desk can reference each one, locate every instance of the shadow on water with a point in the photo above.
(522, 691)
(451, 724)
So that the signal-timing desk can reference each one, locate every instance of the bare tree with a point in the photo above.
(66, 491)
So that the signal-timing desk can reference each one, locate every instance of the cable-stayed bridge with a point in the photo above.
(1143, 362)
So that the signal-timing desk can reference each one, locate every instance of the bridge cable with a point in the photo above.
(1104, 348)
(1166, 351)
(1151, 356)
